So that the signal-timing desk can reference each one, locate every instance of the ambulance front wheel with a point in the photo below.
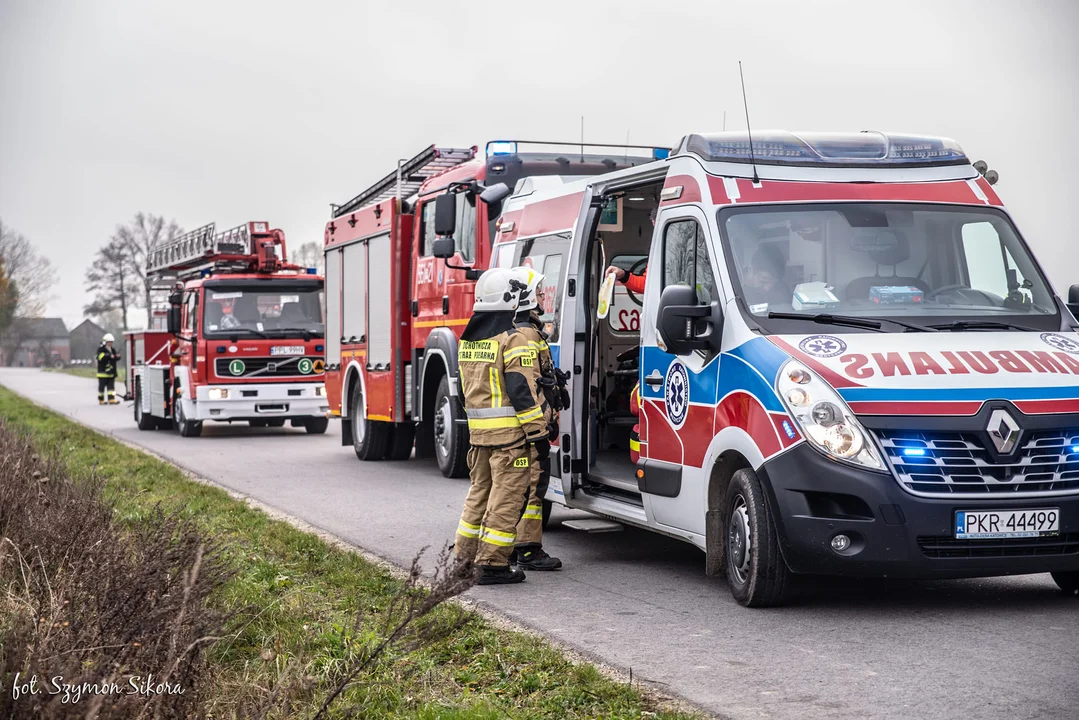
(370, 438)
(1067, 581)
(756, 572)
(451, 437)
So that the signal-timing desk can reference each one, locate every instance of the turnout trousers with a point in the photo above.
(501, 480)
(106, 386)
(530, 528)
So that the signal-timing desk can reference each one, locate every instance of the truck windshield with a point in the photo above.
(274, 310)
(930, 262)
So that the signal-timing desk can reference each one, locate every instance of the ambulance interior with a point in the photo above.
(622, 238)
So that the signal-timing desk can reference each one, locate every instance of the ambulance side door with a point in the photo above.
(678, 390)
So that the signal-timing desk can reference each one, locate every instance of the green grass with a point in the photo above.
(89, 371)
(310, 593)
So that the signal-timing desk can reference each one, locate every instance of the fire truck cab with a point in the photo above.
(243, 338)
(399, 296)
(849, 361)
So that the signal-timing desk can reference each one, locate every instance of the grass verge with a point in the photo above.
(317, 606)
(90, 372)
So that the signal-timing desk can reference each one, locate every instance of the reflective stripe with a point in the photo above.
(525, 351)
(468, 530)
(490, 412)
(497, 537)
(538, 345)
(533, 512)
(493, 423)
(528, 415)
(634, 445)
(496, 389)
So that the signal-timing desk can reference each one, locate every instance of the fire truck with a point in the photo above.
(244, 338)
(399, 287)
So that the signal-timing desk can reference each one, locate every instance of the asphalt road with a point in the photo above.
(996, 648)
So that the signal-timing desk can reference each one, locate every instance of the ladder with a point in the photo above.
(407, 179)
(198, 248)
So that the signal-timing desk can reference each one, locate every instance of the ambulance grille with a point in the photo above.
(959, 464)
(947, 547)
(267, 367)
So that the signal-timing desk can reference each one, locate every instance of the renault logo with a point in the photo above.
(1003, 430)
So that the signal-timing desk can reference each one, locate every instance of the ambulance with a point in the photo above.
(847, 360)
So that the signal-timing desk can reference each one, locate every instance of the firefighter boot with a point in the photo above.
(534, 557)
(499, 575)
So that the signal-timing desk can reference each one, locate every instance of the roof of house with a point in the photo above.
(89, 325)
(45, 328)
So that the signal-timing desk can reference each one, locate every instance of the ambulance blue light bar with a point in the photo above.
(865, 149)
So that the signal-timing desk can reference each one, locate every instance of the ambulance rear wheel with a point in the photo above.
(144, 421)
(401, 443)
(315, 426)
(451, 437)
(756, 572)
(1067, 581)
(187, 428)
(369, 437)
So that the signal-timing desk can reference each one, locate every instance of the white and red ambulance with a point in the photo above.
(849, 360)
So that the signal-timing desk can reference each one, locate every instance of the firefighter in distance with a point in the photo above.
(107, 357)
(529, 553)
(507, 428)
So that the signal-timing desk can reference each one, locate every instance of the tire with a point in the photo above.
(370, 438)
(547, 507)
(187, 428)
(451, 438)
(277, 422)
(313, 426)
(756, 572)
(1067, 581)
(257, 423)
(401, 441)
(144, 421)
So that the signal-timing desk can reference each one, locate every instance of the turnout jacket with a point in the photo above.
(498, 372)
(106, 361)
(529, 325)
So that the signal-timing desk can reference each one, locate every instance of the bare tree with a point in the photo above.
(30, 277)
(309, 254)
(140, 236)
(8, 300)
(111, 278)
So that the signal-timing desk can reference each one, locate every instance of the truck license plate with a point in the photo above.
(287, 350)
(996, 524)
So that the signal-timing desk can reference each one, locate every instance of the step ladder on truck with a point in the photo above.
(396, 306)
(243, 339)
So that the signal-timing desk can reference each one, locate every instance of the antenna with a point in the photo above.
(627, 145)
(724, 120)
(582, 138)
(745, 104)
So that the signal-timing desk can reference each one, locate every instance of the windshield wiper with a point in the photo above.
(982, 325)
(307, 334)
(826, 319)
(233, 331)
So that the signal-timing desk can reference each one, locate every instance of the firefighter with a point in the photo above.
(506, 425)
(107, 357)
(529, 553)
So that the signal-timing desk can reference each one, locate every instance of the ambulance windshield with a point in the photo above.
(271, 309)
(876, 259)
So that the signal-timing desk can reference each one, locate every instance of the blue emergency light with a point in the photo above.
(1075, 448)
(661, 154)
(864, 149)
(312, 271)
(916, 452)
(501, 147)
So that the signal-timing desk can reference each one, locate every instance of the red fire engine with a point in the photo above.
(396, 306)
(244, 338)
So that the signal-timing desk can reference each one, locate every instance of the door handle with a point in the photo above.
(653, 380)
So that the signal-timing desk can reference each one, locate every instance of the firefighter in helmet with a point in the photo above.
(498, 370)
(107, 357)
(529, 552)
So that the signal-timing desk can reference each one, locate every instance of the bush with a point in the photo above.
(118, 615)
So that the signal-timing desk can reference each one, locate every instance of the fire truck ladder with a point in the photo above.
(406, 180)
(198, 249)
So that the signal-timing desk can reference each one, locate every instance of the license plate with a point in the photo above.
(287, 350)
(994, 524)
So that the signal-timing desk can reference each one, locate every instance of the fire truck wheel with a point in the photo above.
(756, 572)
(144, 421)
(187, 428)
(369, 437)
(401, 441)
(451, 437)
(315, 426)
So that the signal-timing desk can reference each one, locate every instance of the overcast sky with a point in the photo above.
(218, 111)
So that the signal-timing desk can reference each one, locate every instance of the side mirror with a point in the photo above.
(173, 320)
(1073, 300)
(445, 214)
(495, 193)
(443, 247)
(684, 325)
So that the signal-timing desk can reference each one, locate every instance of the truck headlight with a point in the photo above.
(824, 418)
(320, 391)
(217, 394)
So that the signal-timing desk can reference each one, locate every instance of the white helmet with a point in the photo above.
(494, 292)
(108, 338)
(531, 280)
